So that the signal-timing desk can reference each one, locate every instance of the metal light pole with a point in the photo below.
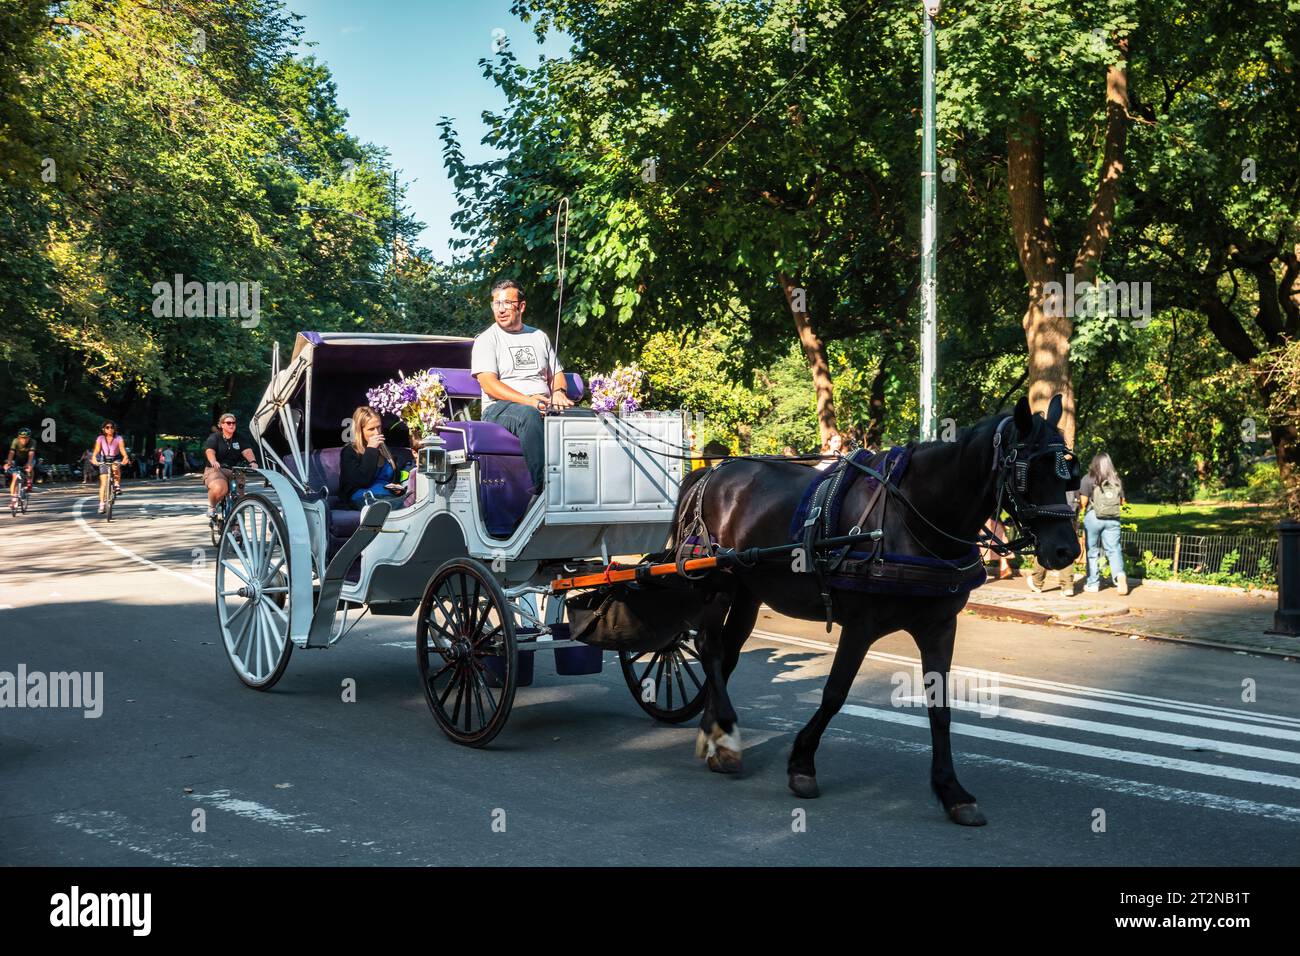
(929, 228)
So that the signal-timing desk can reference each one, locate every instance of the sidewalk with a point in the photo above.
(1211, 617)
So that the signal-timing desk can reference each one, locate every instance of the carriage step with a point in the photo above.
(373, 517)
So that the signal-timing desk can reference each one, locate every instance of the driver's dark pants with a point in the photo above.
(525, 423)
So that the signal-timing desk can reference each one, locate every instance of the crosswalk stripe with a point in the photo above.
(1206, 723)
(1079, 749)
(1098, 692)
(1121, 730)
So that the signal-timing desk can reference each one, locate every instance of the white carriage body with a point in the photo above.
(611, 489)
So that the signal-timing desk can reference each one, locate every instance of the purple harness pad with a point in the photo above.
(906, 575)
(892, 463)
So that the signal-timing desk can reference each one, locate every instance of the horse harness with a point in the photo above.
(877, 570)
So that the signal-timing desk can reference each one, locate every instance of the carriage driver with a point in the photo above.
(519, 374)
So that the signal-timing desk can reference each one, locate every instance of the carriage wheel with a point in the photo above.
(253, 592)
(465, 620)
(675, 677)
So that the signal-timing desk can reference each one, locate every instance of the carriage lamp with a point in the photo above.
(433, 458)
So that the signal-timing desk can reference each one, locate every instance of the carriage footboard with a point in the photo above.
(322, 621)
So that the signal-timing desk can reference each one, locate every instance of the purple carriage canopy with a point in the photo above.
(307, 403)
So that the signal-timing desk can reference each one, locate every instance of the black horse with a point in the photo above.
(948, 492)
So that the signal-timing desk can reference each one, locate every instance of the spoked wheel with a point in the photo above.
(464, 622)
(108, 503)
(253, 592)
(669, 683)
(22, 501)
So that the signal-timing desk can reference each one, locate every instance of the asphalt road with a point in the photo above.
(1091, 750)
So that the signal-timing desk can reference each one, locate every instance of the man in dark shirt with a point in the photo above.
(223, 451)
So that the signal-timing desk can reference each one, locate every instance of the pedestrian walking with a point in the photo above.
(88, 469)
(1101, 494)
(995, 526)
(167, 456)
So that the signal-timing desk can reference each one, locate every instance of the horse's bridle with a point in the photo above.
(1013, 483)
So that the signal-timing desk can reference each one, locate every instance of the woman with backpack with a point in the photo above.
(1101, 493)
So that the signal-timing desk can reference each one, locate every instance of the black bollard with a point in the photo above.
(1287, 618)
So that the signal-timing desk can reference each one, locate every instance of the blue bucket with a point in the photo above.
(496, 670)
(574, 661)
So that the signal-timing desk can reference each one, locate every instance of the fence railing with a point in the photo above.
(1205, 554)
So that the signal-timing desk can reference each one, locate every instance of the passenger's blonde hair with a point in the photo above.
(361, 419)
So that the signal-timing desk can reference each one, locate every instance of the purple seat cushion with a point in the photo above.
(480, 438)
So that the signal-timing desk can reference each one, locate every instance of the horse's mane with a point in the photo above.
(966, 432)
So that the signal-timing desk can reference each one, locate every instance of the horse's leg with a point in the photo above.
(935, 645)
(719, 738)
(854, 641)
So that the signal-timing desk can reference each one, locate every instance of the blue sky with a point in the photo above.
(401, 64)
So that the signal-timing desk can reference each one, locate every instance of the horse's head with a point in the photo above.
(1037, 470)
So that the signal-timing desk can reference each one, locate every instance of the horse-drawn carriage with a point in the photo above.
(469, 549)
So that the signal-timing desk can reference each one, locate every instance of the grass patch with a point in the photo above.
(1205, 517)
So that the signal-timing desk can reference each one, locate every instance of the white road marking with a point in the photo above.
(1078, 749)
(1207, 723)
(251, 810)
(1080, 689)
(1120, 730)
(121, 832)
(128, 553)
(1100, 782)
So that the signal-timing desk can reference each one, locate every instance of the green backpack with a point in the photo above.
(1106, 500)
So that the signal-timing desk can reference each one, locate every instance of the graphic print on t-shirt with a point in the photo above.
(524, 358)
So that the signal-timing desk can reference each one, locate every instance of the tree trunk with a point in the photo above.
(1286, 441)
(814, 352)
(876, 409)
(1047, 329)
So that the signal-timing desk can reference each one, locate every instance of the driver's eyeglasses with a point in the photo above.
(504, 303)
(227, 423)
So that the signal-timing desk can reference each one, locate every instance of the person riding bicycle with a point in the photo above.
(223, 451)
(21, 458)
(109, 453)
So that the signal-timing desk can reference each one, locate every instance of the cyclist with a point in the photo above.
(223, 451)
(21, 458)
(109, 453)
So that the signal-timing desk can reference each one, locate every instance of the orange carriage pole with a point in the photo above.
(611, 576)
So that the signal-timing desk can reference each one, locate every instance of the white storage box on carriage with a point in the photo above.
(614, 465)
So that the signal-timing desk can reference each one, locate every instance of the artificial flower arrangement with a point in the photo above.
(619, 391)
(417, 399)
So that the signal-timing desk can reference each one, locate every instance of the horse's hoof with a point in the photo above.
(967, 815)
(804, 785)
(724, 760)
(701, 744)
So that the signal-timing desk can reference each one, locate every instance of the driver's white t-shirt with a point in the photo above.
(516, 358)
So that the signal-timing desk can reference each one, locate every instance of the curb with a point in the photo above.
(999, 613)
(1196, 586)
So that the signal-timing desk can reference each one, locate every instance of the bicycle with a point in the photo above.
(24, 490)
(114, 486)
(227, 506)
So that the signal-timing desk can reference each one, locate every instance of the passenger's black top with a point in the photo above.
(357, 471)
